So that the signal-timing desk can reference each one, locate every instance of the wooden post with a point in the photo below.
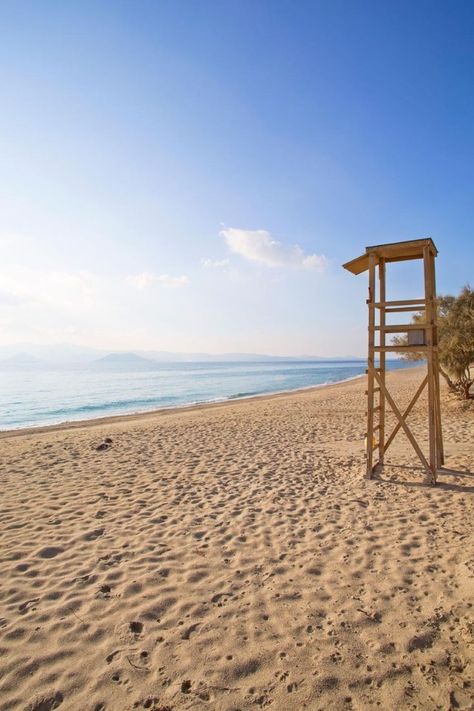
(370, 373)
(429, 329)
(382, 296)
(439, 431)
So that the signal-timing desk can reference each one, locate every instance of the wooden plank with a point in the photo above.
(382, 327)
(402, 422)
(374, 429)
(430, 358)
(370, 376)
(408, 249)
(401, 302)
(407, 411)
(439, 430)
(400, 327)
(438, 414)
(402, 259)
(357, 265)
(402, 309)
(401, 349)
(391, 252)
(374, 409)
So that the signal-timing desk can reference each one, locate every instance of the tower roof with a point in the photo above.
(391, 252)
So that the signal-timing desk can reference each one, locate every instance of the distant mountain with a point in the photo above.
(23, 361)
(65, 356)
(123, 361)
(169, 356)
(172, 357)
(54, 354)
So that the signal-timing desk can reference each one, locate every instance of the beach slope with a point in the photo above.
(233, 557)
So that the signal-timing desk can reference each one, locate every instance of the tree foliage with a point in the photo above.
(455, 340)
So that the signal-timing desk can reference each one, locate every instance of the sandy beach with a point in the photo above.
(233, 557)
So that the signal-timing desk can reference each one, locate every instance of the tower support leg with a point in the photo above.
(370, 371)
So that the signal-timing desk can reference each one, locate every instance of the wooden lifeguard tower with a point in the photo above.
(421, 337)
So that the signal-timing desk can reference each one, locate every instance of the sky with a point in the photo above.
(190, 176)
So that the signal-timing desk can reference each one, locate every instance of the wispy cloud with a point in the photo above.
(215, 263)
(62, 289)
(259, 246)
(147, 279)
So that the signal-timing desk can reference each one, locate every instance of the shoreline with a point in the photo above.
(180, 409)
(161, 411)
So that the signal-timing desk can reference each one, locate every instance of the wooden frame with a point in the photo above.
(374, 260)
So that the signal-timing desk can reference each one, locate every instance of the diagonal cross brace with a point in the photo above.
(407, 412)
(399, 417)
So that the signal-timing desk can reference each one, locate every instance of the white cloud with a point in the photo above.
(215, 263)
(146, 279)
(258, 246)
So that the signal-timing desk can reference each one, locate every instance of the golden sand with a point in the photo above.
(234, 558)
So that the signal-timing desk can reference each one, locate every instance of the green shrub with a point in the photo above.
(455, 340)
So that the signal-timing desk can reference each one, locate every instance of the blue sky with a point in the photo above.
(191, 175)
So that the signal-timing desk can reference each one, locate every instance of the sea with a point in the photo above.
(30, 398)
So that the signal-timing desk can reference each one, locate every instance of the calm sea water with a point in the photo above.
(30, 398)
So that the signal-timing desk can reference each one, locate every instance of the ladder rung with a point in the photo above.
(401, 327)
(375, 409)
(403, 302)
(375, 390)
(402, 349)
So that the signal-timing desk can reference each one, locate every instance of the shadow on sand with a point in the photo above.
(440, 484)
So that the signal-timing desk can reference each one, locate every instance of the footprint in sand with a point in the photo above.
(92, 535)
(27, 606)
(136, 627)
(112, 656)
(186, 686)
(188, 632)
(50, 552)
(46, 703)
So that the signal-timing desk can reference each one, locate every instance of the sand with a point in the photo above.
(233, 557)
